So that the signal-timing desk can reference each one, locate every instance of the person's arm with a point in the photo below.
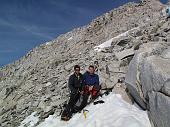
(71, 84)
(84, 79)
(97, 80)
(97, 84)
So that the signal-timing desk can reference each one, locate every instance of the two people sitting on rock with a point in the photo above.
(81, 86)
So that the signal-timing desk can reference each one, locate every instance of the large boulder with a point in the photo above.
(148, 80)
(159, 110)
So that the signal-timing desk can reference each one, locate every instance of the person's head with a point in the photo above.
(91, 69)
(77, 69)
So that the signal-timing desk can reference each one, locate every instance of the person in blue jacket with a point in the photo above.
(91, 82)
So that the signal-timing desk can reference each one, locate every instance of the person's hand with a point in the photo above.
(90, 88)
(81, 92)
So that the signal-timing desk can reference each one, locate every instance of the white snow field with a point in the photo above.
(115, 112)
(109, 42)
(30, 121)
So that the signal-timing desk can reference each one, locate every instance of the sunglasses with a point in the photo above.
(77, 69)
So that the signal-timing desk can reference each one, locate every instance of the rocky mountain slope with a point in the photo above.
(38, 81)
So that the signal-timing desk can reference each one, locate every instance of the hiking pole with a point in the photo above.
(85, 113)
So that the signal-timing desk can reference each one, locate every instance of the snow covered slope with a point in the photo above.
(115, 112)
(109, 42)
(30, 120)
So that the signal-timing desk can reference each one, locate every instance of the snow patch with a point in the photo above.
(30, 121)
(109, 42)
(70, 38)
(103, 45)
(49, 43)
(115, 112)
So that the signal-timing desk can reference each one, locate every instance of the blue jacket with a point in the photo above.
(91, 80)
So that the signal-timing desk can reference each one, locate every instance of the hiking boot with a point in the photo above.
(65, 118)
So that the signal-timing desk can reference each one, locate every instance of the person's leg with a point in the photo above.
(76, 98)
(66, 114)
(95, 92)
(85, 97)
(86, 90)
(85, 100)
(71, 103)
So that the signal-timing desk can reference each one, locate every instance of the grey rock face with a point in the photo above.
(155, 74)
(148, 80)
(125, 53)
(159, 109)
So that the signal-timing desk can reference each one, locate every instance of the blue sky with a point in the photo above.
(25, 24)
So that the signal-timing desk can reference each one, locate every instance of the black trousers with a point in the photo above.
(83, 102)
(72, 101)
